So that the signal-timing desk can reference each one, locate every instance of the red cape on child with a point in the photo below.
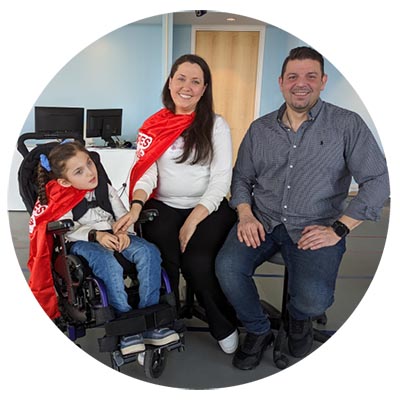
(60, 201)
(157, 133)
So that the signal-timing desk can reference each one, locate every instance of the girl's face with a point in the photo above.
(80, 172)
(186, 87)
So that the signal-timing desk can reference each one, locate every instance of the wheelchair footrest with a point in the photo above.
(138, 321)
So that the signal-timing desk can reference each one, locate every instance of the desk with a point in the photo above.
(117, 163)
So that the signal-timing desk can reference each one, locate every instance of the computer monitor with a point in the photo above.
(104, 123)
(56, 120)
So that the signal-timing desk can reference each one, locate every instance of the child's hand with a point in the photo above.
(124, 241)
(108, 240)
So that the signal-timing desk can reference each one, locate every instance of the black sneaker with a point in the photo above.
(301, 337)
(249, 354)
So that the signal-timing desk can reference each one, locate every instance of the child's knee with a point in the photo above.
(149, 252)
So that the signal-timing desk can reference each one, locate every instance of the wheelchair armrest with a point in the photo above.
(147, 215)
(61, 226)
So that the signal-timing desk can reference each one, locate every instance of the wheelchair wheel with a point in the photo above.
(154, 363)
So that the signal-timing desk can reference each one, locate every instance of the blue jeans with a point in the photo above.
(312, 276)
(105, 266)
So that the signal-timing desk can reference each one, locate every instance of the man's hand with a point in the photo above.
(315, 237)
(250, 231)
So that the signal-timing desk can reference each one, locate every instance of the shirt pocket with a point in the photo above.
(324, 152)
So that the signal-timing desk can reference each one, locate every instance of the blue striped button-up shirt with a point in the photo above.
(303, 178)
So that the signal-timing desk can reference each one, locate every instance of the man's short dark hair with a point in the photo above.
(303, 53)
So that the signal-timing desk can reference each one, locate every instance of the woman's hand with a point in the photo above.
(185, 234)
(198, 214)
(123, 223)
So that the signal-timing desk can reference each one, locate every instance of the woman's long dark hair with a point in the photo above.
(198, 137)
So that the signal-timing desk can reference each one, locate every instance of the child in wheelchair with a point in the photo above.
(66, 177)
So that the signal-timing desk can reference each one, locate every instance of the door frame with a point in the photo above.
(261, 44)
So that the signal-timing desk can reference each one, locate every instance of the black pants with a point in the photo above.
(197, 263)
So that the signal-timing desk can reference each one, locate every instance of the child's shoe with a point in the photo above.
(160, 337)
(132, 344)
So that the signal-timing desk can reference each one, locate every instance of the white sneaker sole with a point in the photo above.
(162, 341)
(135, 348)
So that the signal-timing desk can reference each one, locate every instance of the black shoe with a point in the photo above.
(301, 337)
(249, 354)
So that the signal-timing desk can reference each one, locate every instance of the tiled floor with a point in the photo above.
(202, 364)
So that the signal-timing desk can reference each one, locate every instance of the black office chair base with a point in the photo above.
(189, 311)
(191, 308)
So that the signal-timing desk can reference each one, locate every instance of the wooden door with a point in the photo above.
(233, 59)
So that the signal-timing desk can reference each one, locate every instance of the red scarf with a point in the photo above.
(155, 136)
(60, 201)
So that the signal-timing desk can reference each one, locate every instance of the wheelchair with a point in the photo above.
(82, 297)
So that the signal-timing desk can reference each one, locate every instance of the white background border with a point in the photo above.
(360, 39)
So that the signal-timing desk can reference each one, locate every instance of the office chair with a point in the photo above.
(191, 308)
(279, 319)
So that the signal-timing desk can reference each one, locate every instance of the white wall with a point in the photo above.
(124, 69)
(120, 70)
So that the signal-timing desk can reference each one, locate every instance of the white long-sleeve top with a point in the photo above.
(95, 218)
(184, 185)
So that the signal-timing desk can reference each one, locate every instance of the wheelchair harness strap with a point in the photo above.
(137, 321)
(101, 192)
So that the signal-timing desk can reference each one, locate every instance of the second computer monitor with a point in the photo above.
(104, 123)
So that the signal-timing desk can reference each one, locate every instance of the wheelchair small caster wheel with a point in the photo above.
(154, 363)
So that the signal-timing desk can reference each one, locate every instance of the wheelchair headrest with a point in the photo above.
(27, 172)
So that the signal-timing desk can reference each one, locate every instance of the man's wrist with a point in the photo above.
(244, 209)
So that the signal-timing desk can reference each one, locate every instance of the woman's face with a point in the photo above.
(186, 87)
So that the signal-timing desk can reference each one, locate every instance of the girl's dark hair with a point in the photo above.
(303, 53)
(58, 157)
(198, 137)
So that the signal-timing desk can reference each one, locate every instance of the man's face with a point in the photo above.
(302, 83)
